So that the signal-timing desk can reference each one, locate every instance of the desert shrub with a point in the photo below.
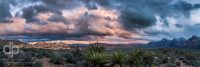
(37, 64)
(56, 58)
(70, 59)
(169, 65)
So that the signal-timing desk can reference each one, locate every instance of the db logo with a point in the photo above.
(10, 49)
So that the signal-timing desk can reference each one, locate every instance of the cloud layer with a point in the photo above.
(126, 19)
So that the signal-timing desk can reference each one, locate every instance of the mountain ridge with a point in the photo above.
(192, 43)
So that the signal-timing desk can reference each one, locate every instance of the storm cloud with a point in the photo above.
(128, 19)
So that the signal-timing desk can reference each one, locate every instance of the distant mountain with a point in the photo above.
(192, 43)
(6, 42)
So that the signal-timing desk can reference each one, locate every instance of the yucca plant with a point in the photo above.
(96, 48)
(118, 58)
(96, 58)
(95, 55)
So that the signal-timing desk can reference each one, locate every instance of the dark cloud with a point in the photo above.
(142, 13)
(4, 10)
(62, 4)
(30, 12)
(58, 18)
(136, 20)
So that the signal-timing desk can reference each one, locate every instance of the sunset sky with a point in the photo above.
(134, 21)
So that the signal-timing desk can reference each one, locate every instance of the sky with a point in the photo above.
(105, 20)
